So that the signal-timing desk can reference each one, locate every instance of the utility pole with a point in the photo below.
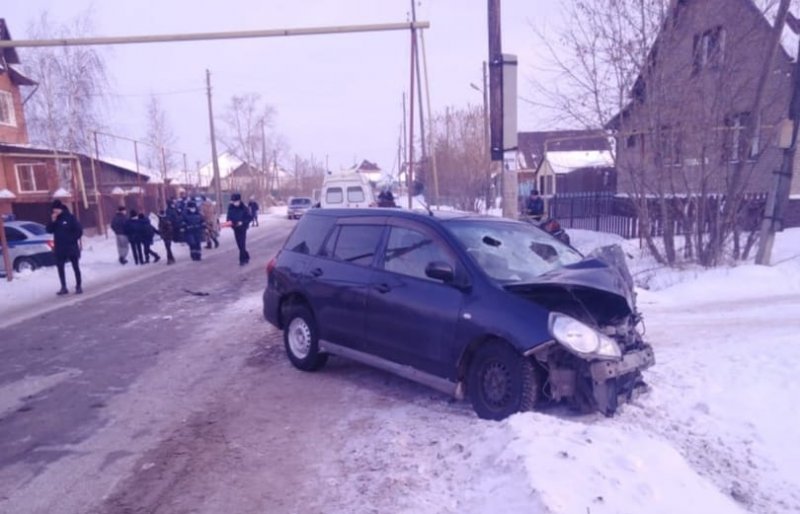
(419, 83)
(214, 163)
(496, 94)
(782, 184)
(410, 176)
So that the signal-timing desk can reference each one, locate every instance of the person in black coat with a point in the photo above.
(239, 217)
(192, 225)
(67, 232)
(254, 207)
(148, 234)
(133, 229)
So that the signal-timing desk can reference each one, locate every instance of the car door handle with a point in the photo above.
(316, 272)
(383, 288)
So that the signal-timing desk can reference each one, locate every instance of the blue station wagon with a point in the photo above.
(489, 309)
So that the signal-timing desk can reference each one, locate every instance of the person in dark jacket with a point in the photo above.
(148, 234)
(253, 206)
(534, 205)
(166, 229)
(67, 232)
(239, 217)
(134, 232)
(192, 226)
(118, 226)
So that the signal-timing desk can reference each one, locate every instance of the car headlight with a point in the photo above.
(581, 338)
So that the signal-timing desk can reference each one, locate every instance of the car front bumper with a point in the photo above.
(617, 382)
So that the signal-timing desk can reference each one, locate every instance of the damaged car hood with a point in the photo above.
(603, 270)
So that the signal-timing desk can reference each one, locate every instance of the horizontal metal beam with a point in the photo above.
(207, 36)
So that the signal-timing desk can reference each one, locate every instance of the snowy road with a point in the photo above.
(178, 403)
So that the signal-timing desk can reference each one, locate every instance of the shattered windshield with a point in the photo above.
(511, 252)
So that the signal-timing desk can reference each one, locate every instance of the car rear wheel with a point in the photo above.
(24, 264)
(501, 382)
(301, 340)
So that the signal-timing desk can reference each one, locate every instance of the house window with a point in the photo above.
(31, 178)
(630, 141)
(7, 116)
(736, 148)
(708, 49)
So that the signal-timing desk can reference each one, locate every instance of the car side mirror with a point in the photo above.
(439, 270)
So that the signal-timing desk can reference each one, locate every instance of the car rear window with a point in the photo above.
(334, 195)
(309, 234)
(355, 194)
(34, 228)
(301, 201)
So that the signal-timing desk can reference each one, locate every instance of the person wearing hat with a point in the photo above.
(118, 226)
(192, 225)
(239, 218)
(67, 232)
(534, 205)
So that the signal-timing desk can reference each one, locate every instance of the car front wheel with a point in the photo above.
(501, 382)
(301, 340)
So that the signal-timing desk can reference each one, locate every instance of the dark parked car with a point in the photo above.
(491, 309)
(298, 206)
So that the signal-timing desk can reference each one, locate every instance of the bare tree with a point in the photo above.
(461, 160)
(73, 83)
(684, 145)
(160, 156)
(245, 135)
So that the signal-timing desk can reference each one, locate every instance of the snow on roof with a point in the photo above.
(227, 162)
(565, 162)
(154, 175)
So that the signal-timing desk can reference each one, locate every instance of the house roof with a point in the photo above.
(9, 54)
(533, 145)
(152, 176)
(563, 162)
(368, 166)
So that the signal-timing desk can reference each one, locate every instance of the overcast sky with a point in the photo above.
(338, 96)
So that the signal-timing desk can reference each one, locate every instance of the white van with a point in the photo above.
(346, 190)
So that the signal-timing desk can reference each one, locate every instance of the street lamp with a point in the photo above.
(5, 196)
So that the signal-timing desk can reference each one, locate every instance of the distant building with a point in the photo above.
(565, 161)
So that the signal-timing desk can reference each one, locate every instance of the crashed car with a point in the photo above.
(489, 309)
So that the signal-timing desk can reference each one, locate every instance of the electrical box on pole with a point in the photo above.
(509, 102)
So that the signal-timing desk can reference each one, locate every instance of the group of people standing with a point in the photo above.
(190, 221)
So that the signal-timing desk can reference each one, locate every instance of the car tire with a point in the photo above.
(300, 338)
(24, 264)
(501, 382)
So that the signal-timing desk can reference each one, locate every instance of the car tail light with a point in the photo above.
(271, 264)
(51, 244)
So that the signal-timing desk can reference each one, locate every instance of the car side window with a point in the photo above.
(355, 243)
(334, 195)
(13, 234)
(309, 234)
(409, 252)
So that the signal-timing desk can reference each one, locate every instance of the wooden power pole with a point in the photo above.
(214, 163)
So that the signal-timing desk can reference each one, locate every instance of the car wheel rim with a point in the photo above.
(24, 266)
(299, 338)
(496, 384)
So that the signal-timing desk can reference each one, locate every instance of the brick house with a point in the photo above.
(36, 174)
(683, 130)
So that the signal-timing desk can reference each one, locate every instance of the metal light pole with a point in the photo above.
(214, 163)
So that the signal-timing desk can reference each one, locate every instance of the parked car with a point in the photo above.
(494, 310)
(298, 205)
(30, 246)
